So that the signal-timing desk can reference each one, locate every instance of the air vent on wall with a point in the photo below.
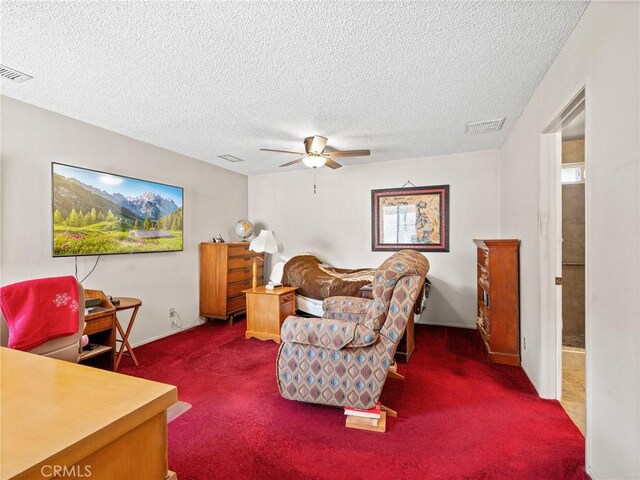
(231, 158)
(484, 127)
(13, 75)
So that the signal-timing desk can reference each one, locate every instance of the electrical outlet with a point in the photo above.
(524, 343)
(172, 312)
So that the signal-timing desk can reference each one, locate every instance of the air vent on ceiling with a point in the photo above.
(484, 127)
(13, 75)
(231, 158)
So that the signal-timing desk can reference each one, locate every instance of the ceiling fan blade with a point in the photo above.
(291, 163)
(332, 163)
(315, 144)
(280, 151)
(349, 153)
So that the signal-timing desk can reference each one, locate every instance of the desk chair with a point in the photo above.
(63, 348)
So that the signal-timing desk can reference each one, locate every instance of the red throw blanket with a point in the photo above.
(38, 310)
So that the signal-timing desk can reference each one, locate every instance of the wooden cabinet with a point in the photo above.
(267, 310)
(225, 271)
(498, 299)
(100, 327)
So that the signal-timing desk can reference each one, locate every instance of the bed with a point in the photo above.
(316, 281)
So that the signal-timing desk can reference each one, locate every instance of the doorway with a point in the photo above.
(564, 348)
(572, 205)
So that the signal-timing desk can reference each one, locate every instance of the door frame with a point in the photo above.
(550, 243)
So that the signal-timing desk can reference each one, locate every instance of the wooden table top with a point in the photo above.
(52, 408)
(127, 302)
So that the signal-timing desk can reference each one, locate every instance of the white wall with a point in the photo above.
(32, 138)
(604, 51)
(335, 224)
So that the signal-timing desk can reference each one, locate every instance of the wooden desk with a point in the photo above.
(57, 413)
(125, 304)
(267, 311)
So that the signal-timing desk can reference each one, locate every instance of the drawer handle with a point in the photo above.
(237, 270)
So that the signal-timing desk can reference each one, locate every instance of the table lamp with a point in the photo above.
(265, 242)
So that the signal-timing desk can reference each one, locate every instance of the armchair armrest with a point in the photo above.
(327, 333)
(348, 309)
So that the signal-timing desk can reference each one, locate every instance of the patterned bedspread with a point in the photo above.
(319, 281)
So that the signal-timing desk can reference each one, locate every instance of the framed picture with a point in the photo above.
(415, 218)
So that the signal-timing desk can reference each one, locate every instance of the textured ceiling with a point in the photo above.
(207, 78)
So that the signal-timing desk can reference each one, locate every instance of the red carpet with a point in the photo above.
(459, 416)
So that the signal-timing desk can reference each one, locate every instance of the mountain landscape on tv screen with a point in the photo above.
(88, 220)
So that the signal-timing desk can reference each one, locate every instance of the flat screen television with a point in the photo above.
(98, 213)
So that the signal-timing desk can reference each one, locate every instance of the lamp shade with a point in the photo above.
(266, 242)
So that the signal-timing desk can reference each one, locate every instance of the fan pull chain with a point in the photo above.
(314, 180)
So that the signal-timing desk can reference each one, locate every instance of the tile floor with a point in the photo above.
(573, 385)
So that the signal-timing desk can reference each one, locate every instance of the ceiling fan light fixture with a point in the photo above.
(314, 161)
(315, 145)
(314, 156)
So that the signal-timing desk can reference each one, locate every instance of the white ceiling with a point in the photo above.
(208, 78)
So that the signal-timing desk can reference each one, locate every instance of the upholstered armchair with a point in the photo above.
(343, 358)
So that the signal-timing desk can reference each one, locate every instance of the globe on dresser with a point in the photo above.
(244, 229)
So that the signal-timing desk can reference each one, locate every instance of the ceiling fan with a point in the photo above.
(314, 155)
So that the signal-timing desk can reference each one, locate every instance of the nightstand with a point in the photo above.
(267, 310)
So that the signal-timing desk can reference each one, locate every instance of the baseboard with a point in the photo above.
(454, 325)
(530, 379)
(164, 335)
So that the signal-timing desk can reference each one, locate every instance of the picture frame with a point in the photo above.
(414, 218)
(100, 213)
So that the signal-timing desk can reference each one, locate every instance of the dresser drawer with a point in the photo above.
(286, 310)
(235, 289)
(240, 262)
(98, 325)
(239, 251)
(286, 298)
(239, 274)
(236, 303)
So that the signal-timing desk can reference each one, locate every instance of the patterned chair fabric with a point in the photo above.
(327, 333)
(352, 309)
(343, 358)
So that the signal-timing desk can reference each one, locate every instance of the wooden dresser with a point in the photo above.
(225, 271)
(498, 299)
